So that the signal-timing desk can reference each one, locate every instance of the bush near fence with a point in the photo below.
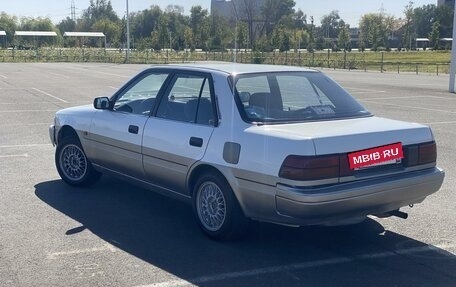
(435, 62)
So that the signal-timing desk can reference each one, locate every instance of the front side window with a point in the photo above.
(140, 97)
(279, 97)
(188, 100)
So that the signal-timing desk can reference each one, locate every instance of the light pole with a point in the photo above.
(453, 56)
(170, 40)
(235, 33)
(128, 34)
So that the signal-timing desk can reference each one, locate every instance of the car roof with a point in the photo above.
(236, 68)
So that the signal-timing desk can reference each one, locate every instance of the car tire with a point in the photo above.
(72, 163)
(217, 210)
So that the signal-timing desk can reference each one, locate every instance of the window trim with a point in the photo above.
(136, 80)
(169, 85)
(232, 80)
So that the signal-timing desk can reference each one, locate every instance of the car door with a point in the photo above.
(177, 135)
(116, 134)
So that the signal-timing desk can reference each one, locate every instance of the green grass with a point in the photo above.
(423, 61)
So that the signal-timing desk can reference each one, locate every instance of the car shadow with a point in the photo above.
(164, 233)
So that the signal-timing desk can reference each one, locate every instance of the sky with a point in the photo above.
(349, 10)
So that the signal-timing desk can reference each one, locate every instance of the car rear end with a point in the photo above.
(310, 128)
(355, 193)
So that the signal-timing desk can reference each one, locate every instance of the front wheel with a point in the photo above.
(72, 163)
(217, 209)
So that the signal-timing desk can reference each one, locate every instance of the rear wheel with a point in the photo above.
(72, 163)
(217, 209)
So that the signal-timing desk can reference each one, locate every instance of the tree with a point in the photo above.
(110, 29)
(423, 19)
(220, 35)
(434, 36)
(375, 30)
(175, 27)
(188, 37)
(246, 11)
(273, 11)
(330, 24)
(407, 38)
(263, 44)
(198, 15)
(281, 38)
(67, 25)
(444, 14)
(9, 24)
(143, 23)
(301, 38)
(160, 35)
(299, 18)
(344, 37)
(241, 35)
(97, 10)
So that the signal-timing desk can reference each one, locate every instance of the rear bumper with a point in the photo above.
(342, 203)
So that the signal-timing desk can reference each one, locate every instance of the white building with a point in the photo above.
(240, 10)
(445, 2)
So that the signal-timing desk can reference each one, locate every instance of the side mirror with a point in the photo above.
(101, 103)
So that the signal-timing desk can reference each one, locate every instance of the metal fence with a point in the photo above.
(322, 60)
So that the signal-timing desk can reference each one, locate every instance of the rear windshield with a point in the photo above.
(281, 97)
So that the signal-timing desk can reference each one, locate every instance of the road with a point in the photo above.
(115, 234)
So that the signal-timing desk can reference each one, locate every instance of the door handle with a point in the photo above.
(198, 142)
(133, 129)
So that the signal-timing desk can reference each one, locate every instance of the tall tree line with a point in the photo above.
(274, 25)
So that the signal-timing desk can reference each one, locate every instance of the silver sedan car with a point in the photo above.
(279, 144)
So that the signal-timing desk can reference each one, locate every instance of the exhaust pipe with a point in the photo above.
(398, 213)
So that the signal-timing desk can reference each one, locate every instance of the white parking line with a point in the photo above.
(45, 103)
(24, 145)
(29, 103)
(365, 90)
(114, 88)
(437, 97)
(394, 98)
(86, 70)
(3, 76)
(106, 247)
(410, 107)
(440, 123)
(14, 155)
(25, 125)
(27, 111)
(59, 75)
(49, 95)
(408, 97)
(112, 74)
(302, 265)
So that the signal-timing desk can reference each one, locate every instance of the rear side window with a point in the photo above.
(279, 97)
(189, 99)
(299, 92)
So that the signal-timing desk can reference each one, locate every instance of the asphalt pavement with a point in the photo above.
(116, 234)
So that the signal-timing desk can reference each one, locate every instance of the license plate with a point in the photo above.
(383, 155)
(393, 161)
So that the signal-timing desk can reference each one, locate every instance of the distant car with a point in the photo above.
(279, 144)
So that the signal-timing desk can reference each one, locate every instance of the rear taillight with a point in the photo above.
(344, 168)
(297, 167)
(420, 154)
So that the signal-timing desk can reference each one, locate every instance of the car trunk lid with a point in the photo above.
(345, 136)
